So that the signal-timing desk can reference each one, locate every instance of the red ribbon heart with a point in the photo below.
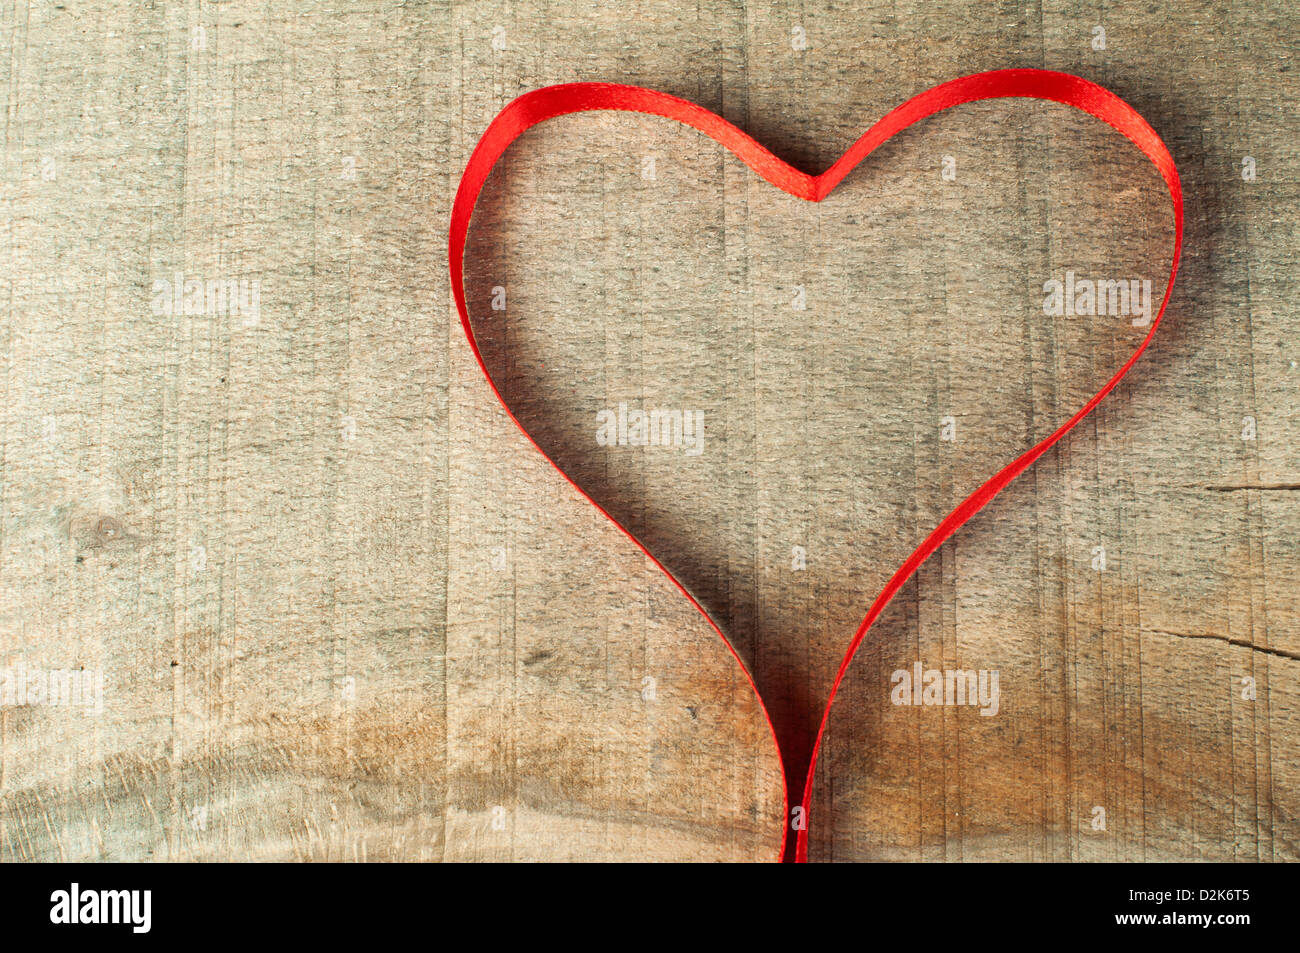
(542, 104)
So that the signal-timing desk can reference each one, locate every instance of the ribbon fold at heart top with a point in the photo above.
(532, 108)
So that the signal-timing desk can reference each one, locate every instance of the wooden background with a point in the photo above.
(345, 612)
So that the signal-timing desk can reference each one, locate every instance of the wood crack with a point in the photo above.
(1243, 643)
(1236, 487)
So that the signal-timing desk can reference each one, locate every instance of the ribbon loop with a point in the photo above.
(549, 102)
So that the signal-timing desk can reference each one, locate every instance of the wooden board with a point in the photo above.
(342, 609)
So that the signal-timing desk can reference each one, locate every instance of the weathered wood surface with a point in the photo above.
(344, 611)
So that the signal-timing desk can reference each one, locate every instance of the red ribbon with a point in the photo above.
(542, 104)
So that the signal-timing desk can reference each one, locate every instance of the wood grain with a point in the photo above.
(345, 612)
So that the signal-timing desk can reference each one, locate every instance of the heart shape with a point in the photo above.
(549, 102)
